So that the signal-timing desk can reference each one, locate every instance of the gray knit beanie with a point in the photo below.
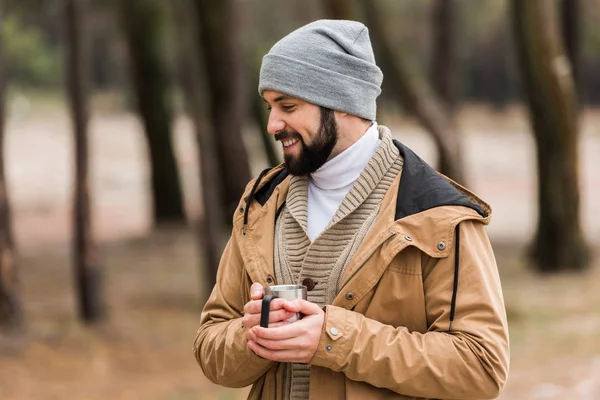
(327, 62)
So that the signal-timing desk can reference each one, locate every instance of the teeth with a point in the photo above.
(287, 143)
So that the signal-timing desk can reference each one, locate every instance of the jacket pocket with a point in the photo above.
(399, 298)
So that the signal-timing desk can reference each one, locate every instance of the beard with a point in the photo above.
(315, 154)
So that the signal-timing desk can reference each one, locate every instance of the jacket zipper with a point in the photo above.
(385, 239)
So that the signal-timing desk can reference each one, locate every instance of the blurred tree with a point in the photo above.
(142, 23)
(211, 229)
(259, 111)
(218, 31)
(443, 53)
(571, 30)
(87, 268)
(339, 9)
(32, 60)
(253, 56)
(415, 95)
(548, 84)
(491, 73)
(10, 312)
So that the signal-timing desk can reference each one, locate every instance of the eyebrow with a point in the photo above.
(279, 98)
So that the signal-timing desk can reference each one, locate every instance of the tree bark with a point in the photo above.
(10, 310)
(142, 22)
(259, 107)
(559, 243)
(443, 56)
(211, 229)
(571, 30)
(261, 119)
(218, 31)
(415, 95)
(87, 269)
(339, 9)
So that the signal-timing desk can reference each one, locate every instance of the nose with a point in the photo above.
(275, 123)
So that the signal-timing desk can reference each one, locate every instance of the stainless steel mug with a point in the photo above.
(288, 292)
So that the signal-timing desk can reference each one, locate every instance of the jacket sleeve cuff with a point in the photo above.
(335, 338)
(251, 357)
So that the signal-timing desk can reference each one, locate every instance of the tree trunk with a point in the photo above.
(261, 119)
(218, 22)
(546, 77)
(339, 9)
(443, 56)
(571, 18)
(87, 268)
(417, 98)
(10, 311)
(211, 229)
(252, 67)
(142, 23)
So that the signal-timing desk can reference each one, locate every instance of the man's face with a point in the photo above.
(307, 132)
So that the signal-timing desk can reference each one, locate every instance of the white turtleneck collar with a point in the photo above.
(343, 169)
(329, 185)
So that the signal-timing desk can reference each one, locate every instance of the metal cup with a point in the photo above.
(288, 292)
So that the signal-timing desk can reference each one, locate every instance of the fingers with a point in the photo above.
(250, 320)
(278, 324)
(302, 306)
(285, 332)
(280, 355)
(288, 344)
(255, 306)
(256, 291)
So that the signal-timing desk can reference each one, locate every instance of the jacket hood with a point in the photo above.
(422, 188)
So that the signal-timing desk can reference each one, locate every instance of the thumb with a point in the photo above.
(303, 306)
(256, 291)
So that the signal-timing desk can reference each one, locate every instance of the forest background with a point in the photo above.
(129, 128)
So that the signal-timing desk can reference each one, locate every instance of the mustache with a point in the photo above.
(285, 135)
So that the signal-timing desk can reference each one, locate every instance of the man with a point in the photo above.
(404, 298)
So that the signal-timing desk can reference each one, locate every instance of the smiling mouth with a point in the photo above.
(289, 142)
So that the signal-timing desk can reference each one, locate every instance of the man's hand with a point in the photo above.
(291, 342)
(251, 317)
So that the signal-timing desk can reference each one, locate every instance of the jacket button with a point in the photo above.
(441, 246)
(408, 238)
(328, 347)
(309, 283)
(270, 279)
(334, 331)
(350, 295)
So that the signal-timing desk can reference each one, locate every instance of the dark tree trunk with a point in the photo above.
(142, 23)
(571, 19)
(339, 9)
(87, 268)
(218, 22)
(10, 312)
(443, 56)
(415, 95)
(261, 119)
(211, 229)
(259, 107)
(548, 85)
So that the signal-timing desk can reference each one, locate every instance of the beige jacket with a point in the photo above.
(413, 322)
